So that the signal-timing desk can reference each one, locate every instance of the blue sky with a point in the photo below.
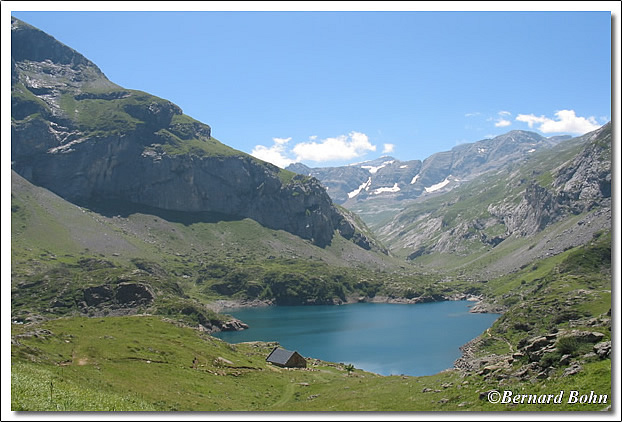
(331, 88)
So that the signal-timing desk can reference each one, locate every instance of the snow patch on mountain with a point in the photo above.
(360, 188)
(374, 169)
(395, 188)
(438, 186)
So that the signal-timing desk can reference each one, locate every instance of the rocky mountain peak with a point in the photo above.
(31, 44)
(570, 182)
(95, 143)
(394, 181)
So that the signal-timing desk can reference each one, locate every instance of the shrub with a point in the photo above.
(567, 345)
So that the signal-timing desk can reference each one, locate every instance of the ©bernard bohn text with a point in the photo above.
(573, 397)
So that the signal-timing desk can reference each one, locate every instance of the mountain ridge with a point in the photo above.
(395, 181)
(567, 186)
(88, 139)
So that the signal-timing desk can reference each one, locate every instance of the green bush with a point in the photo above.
(567, 345)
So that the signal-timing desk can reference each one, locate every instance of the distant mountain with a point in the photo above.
(361, 180)
(390, 181)
(557, 199)
(99, 145)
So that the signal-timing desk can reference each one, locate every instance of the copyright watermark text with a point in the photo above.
(573, 397)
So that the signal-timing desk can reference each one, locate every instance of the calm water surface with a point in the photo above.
(421, 339)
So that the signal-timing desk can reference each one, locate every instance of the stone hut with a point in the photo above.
(286, 359)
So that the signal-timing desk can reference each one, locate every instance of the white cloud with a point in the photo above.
(502, 121)
(274, 154)
(388, 148)
(343, 147)
(531, 119)
(281, 141)
(567, 122)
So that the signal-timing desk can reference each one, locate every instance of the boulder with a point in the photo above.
(587, 336)
(565, 359)
(603, 349)
(220, 361)
(94, 296)
(233, 324)
(536, 346)
(572, 370)
(127, 294)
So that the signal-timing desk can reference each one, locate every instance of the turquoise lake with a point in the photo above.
(388, 339)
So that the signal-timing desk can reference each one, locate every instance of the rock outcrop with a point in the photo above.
(96, 144)
(121, 298)
(516, 201)
(578, 186)
(538, 356)
(233, 324)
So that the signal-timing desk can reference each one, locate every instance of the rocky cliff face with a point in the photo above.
(578, 186)
(89, 140)
(515, 202)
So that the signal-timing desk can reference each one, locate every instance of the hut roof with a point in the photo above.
(280, 356)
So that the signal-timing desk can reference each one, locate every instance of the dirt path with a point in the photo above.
(502, 339)
(288, 394)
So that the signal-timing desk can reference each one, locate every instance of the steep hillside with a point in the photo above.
(556, 200)
(92, 142)
(557, 318)
(66, 259)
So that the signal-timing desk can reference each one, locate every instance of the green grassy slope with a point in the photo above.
(145, 362)
(59, 249)
(567, 291)
(148, 364)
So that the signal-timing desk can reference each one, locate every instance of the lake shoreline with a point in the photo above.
(366, 325)
(465, 362)
(480, 305)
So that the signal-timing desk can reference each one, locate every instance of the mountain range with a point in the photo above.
(564, 191)
(120, 152)
(442, 171)
(388, 181)
(123, 206)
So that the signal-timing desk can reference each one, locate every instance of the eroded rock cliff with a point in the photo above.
(569, 182)
(91, 141)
